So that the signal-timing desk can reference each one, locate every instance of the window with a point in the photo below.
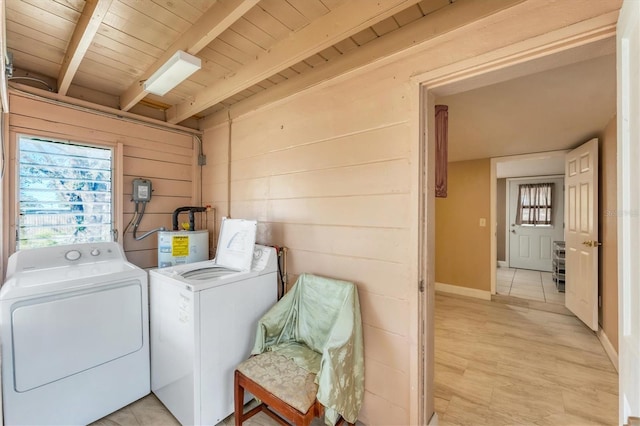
(535, 204)
(64, 193)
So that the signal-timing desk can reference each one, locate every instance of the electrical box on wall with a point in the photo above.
(141, 190)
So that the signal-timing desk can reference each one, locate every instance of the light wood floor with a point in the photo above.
(505, 365)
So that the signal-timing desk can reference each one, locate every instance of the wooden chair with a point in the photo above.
(275, 374)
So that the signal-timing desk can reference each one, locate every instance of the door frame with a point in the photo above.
(478, 71)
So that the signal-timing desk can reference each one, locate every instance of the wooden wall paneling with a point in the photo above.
(390, 383)
(389, 177)
(379, 277)
(382, 411)
(334, 240)
(125, 129)
(383, 312)
(159, 169)
(165, 156)
(178, 157)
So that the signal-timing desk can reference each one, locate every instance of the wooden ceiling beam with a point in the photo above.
(216, 19)
(92, 15)
(342, 22)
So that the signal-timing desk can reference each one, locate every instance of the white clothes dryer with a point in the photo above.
(203, 324)
(74, 328)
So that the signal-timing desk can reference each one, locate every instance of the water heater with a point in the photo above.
(177, 247)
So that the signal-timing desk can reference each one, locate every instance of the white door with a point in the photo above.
(628, 51)
(531, 247)
(581, 251)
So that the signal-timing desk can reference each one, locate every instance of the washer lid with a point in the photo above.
(235, 244)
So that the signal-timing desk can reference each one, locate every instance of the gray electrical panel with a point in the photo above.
(141, 190)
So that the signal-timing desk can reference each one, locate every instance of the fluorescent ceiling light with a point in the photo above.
(177, 69)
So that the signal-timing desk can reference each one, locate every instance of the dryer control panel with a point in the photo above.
(63, 255)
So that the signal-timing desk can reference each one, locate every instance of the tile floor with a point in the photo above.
(526, 284)
(149, 411)
(498, 364)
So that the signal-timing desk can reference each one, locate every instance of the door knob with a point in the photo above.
(513, 231)
(590, 243)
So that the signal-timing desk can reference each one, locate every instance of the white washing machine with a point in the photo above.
(74, 327)
(203, 324)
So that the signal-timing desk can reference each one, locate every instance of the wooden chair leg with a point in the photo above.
(238, 400)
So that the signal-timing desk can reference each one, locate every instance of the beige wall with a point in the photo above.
(609, 233)
(163, 156)
(462, 245)
(332, 181)
(501, 218)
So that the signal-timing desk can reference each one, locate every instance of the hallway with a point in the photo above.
(526, 284)
(498, 364)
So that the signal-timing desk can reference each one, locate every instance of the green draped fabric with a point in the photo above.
(323, 315)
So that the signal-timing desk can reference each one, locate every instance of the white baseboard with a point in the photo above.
(608, 348)
(503, 264)
(463, 291)
(434, 420)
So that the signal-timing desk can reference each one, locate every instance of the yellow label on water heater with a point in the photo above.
(180, 245)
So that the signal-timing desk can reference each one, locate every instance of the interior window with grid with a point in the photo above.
(64, 193)
(535, 204)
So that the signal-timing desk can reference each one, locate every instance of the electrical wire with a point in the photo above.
(37, 80)
(137, 223)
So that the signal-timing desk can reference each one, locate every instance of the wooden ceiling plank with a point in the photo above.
(310, 9)
(267, 23)
(253, 33)
(240, 42)
(386, 26)
(61, 29)
(364, 36)
(285, 13)
(330, 53)
(345, 45)
(140, 25)
(424, 30)
(342, 22)
(35, 48)
(230, 51)
(408, 15)
(56, 9)
(119, 51)
(430, 6)
(92, 15)
(217, 19)
(14, 27)
(121, 37)
(181, 8)
(159, 14)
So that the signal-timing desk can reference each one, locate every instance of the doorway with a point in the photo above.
(475, 213)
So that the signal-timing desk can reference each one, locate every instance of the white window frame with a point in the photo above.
(116, 179)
